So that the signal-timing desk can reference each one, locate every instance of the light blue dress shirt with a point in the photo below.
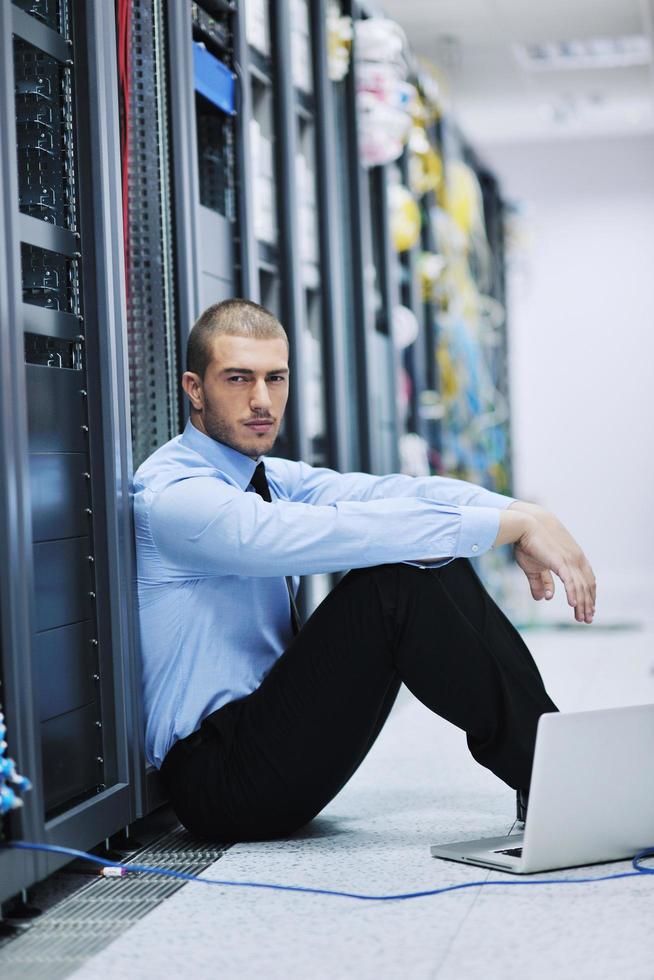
(213, 604)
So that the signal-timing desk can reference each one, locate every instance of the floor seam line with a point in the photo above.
(440, 966)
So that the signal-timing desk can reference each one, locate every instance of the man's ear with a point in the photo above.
(192, 385)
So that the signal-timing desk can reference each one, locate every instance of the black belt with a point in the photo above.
(207, 731)
(183, 746)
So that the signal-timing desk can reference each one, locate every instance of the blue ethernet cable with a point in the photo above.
(110, 869)
(115, 868)
(8, 798)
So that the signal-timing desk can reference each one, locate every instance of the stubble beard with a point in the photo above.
(217, 428)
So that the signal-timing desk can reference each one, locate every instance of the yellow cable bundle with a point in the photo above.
(404, 218)
(449, 381)
(425, 165)
(339, 43)
(430, 268)
(463, 200)
(465, 290)
(457, 291)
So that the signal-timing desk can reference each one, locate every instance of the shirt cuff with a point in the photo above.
(479, 528)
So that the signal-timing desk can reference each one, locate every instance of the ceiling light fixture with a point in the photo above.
(595, 52)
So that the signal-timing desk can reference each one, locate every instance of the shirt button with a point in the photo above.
(475, 547)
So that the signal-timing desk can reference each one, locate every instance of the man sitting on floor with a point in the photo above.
(257, 722)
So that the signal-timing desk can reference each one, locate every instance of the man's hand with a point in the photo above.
(542, 546)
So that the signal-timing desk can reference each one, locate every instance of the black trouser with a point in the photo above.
(264, 765)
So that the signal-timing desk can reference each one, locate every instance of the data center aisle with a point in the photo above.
(418, 786)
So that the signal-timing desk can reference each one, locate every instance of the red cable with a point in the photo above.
(124, 81)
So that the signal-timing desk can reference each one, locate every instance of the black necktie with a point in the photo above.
(260, 483)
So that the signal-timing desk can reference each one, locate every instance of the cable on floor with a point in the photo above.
(116, 869)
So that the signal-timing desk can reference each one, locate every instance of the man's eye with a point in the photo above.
(277, 377)
(236, 377)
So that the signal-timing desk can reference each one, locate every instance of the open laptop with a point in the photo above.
(591, 797)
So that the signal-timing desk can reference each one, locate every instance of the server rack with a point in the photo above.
(67, 619)
(406, 295)
(372, 293)
(271, 237)
(215, 111)
(493, 450)
(407, 290)
(494, 213)
(184, 244)
(17, 869)
(342, 449)
(423, 412)
(185, 58)
(381, 355)
(347, 256)
(431, 405)
(148, 225)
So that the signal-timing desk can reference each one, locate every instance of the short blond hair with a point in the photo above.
(235, 318)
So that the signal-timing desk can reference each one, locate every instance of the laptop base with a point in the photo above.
(483, 852)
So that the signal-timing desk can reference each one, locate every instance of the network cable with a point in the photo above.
(112, 869)
(8, 798)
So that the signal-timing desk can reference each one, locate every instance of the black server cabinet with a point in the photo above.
(147, 85)
(17, 868)
(184, 213)
(431, 407)
(371, 285)
(415, 357)
(347, 256)
(380, 356)
(214, 87)
(342, 442)
(494, 218)
(261, 133)
(70, 674)
(148, 225)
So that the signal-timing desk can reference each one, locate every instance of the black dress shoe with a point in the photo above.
(521, 801)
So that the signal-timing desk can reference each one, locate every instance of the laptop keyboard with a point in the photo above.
(511, 851)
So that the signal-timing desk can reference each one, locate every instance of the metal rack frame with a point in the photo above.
(375, 356)
(100, 815)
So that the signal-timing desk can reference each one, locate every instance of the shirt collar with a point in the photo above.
(237, 466)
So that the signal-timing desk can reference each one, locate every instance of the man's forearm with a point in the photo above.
(533, 510)
(514, 523)
(544, 517)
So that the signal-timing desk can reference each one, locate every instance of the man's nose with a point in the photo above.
(260, 396)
